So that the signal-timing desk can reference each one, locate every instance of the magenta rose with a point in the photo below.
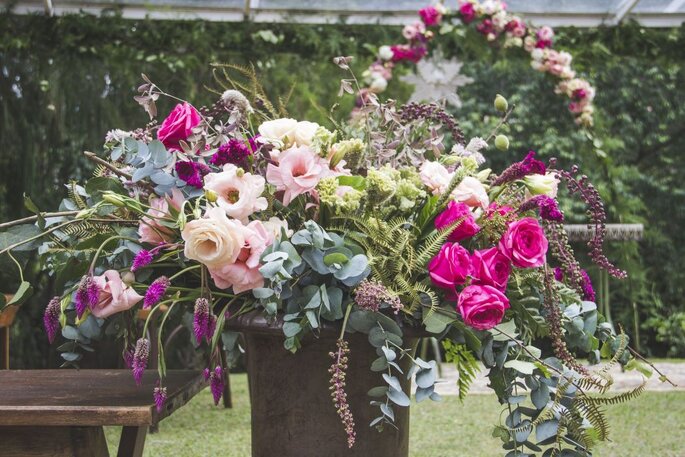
(452, 213)
(450, 267)
(178, 125)
(482, 307)
(489, 267)
(430, 16)
(524, 243)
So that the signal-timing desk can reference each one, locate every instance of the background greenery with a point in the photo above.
(446, 429)
(66, 81)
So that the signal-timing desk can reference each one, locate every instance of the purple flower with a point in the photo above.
(235, 152)
(558, 274)
(191, 172)
(156, 291)
(216, 382)
(51, 318)
(254, 144)
(586, 286)
(140, 357)
(549, 209)
(338, 373)
(204, 322)
(128, 357)
(160, 396)
(528, 166)
(87, 295)
(141, 259)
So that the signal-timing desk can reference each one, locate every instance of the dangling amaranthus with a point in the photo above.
(87, 295)
(51, 318)
(432, 112)
(549, 209)
(337, 388)
(204, 322)
(528, 166)
(143, 258)
(140, 357)
(160, 395)
(156, 291)
(371, 294)
(216, 382)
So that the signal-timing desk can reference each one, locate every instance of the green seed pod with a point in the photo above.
(502, 142)
(501, 104)
(211, 196)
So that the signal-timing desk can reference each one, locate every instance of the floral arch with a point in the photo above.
(491, 19)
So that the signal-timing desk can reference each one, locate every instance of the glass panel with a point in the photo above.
(561, 6)
(651, 6)
(346, 5)
(161, 4)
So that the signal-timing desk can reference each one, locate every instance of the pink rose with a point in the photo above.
(430, 16)
(150, 229)
(450, 267)
(467, 11)
(244, 273)
(489, 267)
(482, 307)
(178, 125)
(299, 170)
(524, 243)
(115, 296)
(452, 213)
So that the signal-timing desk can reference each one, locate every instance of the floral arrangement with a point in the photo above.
(235, 208)
(496, 25)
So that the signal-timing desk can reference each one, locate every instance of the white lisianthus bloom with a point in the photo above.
(546, 184)
(240, 196)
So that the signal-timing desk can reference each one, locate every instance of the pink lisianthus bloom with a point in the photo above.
(150, 230)
(298, 172)
(454, 212)
(244, 273)
(482, 307)
(450, 267)
(468, 12)
(115, 296)
(240, 196)
(489, 267)
(430, 16)
(472, 192)
(413, 31)
(178, 125)
(524, 243)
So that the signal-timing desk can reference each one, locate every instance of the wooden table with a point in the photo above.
(62, 412)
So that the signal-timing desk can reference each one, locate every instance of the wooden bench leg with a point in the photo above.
(132, 441)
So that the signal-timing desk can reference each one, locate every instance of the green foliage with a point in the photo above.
(466, 364)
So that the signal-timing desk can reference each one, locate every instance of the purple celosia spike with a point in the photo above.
(81, 299)
(128, 357)
(140, 357)
(206, 373)
(156, 291)
(201, 318)
(141, 259)
(211, 327)
(235, 152)
(216, 383)
(160, 395)
(51, 318)
(93, 292)
(192, 172)
(528, 166)
(586, 286)
(558, 274)
(549, 209)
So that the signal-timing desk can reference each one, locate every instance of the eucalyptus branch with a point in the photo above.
(503, 120)
(34, 218)
(36, 237)
(94, 158)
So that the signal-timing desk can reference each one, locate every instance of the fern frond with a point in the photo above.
(75, 197)
(432, 245)
(465, 363)
(618, 398)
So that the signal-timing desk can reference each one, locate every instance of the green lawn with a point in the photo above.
(653, 425)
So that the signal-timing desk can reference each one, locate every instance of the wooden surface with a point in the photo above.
(53, 441)
(90, 397)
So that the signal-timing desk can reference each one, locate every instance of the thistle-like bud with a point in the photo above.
(51, 318)
(159, 394)
(156, 291)
(501, 104)
(140, 358)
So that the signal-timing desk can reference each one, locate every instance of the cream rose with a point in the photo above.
(435, 176)
(214, 240)
(303, 133)
(472, 192)
(239, 196)
(278, 129)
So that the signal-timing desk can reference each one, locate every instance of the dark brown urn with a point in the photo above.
(292, 411)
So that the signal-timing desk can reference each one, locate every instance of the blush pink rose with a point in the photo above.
(150, 229)
(115, 296)
(524, 243)
(450, 267)
(244, 273)
(482, 307)
(299, 170)
(178, 125)
(472, 192)
(489, 267)
(454, 212)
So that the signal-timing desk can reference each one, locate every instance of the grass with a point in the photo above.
(650, 426)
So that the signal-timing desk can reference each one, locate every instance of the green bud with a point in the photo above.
(240, 172)
(501, 104)
(502, 142)
(128, 278)
(211, 196)
(113, 199)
